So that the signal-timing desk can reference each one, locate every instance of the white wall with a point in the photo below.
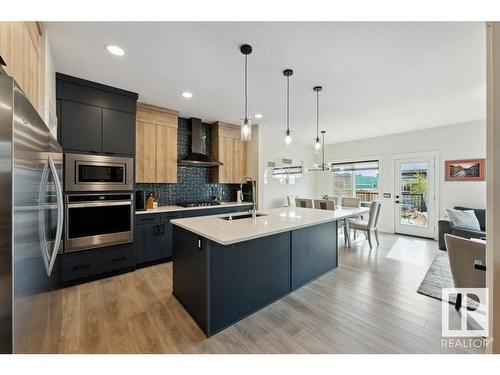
(273, 193)
(459, 141)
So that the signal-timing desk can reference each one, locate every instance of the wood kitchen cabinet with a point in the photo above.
(231, 151)
(22, 48)
(156, 144)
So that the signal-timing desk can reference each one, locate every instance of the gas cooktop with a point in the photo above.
(199, 204)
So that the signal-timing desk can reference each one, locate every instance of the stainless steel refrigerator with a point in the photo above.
(31, 223)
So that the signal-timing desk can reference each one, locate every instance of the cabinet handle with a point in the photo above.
(81, 267)
(160, 229)
(118, 259)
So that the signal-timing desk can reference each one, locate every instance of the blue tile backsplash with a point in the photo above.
(193, 183)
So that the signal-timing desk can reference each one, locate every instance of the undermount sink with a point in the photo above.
(238, 217)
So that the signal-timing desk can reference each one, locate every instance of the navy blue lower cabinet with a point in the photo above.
(246, 277)
(86, 264)
(190, 275)
(153, 237)
(314, 252)
(220, 285)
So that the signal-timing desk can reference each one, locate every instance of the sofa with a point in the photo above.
(445, 226)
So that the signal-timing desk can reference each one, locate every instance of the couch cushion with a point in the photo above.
(480, 214)
(467, 233)
(463, 219)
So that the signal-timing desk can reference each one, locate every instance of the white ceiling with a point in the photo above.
(378, 78)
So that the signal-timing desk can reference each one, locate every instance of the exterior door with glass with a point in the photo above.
(415, 197)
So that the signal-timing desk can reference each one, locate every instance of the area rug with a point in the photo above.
(438, 277)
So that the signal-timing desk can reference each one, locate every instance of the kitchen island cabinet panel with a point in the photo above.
(246, 277)
(314, 252)
(190, 276)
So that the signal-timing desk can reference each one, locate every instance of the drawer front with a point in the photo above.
(82, 264)
(147, 219)
(79, 265)
(118, 257)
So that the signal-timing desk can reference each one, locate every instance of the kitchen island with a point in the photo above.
(225, 269)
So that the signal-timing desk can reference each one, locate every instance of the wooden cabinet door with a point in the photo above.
(226, 171)
(81, 128)
(145, 161)
(118, 132)
(240, 160)
(21, 48)
(166, 154)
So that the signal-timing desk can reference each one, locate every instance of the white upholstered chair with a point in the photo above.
(322, 204)
(463, 253)
(370, 227)
(304, 202)
(351, 202)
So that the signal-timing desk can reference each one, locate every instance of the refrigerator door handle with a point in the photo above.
(41, 217)
(60, 215)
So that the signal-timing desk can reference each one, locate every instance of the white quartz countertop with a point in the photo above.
(276, 220)
(174, 208)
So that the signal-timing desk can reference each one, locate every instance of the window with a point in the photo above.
(356, 179)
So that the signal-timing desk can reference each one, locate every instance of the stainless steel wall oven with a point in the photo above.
(97, 220)
(98, 173)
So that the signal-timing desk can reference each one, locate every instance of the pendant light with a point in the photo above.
(317, 144)
(322, 167)
(288, 137)
(246, 123)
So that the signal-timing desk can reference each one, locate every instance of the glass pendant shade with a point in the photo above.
(288, 138)
(246, 130)
(317, 145)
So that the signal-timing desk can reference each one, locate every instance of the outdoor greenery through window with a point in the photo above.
(356, 179)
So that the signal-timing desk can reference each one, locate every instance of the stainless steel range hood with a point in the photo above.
(197, 156)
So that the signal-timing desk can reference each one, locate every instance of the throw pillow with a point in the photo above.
(463, 219)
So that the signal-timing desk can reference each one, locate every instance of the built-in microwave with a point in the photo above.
(98, 173)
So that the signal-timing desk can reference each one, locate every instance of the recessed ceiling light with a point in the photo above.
(187, 95)
(258, 115)
(115, 50)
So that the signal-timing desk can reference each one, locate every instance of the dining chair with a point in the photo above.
(304, 202)
(463, 254)
(332, 198)
(371, 226)
(290, 199)
(324, 204)
(351, 202)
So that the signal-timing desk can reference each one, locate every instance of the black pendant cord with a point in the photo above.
(287, 105)
(246, 90)
(317, 116)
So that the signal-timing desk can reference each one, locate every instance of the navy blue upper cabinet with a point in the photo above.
(94, 117)
(118, 132)
(80, 126)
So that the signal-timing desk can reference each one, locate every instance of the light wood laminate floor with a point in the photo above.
(368, 305)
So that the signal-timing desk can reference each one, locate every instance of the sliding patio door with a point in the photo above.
(415, 196)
